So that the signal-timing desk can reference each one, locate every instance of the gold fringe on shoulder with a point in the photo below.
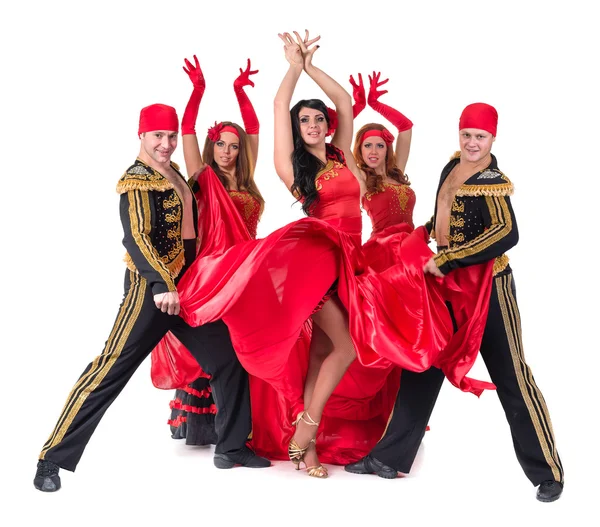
(456, 155)
(133, 183)
(503, 189)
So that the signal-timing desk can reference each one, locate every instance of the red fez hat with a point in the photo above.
(158, 117)
(481, 116)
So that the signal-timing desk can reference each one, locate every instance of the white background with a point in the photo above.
(75, 75)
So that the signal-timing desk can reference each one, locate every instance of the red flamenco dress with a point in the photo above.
(265, 291)
(193, 409)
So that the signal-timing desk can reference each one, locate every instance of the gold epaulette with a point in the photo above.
(456, 155)
(141, 177)
(490, 182)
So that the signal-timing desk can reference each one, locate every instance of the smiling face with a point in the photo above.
(158, 145)
(475, 144)
(226, 150)
(373, 151)
(313, 126)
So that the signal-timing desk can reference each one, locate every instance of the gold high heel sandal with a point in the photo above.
(296, 453)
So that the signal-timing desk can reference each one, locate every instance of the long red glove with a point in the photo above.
(249, 117)
(401, 122)
(360, 102)
(358, 94)
(188, 123)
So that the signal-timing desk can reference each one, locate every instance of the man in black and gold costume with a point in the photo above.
(159, 216)
(474, 223)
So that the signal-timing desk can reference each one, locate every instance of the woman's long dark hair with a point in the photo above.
(306, 165)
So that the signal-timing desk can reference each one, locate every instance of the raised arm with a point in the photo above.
(343, 107)
(284, 143)
(360, 101)
(340, 97)
(402, 123)
(191, 148)
(251, 124)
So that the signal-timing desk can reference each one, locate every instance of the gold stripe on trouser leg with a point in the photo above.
(99, 361)
(536, 407)
(128, 314)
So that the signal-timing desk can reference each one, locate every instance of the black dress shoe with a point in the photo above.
(244, 457)
(46, 477)
(549, 490)
(370, 465)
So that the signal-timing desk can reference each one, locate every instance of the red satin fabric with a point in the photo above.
(392, 206)
(265, 291)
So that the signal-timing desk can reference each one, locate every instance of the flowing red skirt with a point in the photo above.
(265, 291)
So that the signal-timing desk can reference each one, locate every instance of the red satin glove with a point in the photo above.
(401, 122)
(188, 122)
(358, 94)
(251, 124)
(360, 102)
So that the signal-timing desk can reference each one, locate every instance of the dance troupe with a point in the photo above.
(308, 344)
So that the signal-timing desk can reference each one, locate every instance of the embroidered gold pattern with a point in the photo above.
(402, 193)
(172, 202)
(173, 217)
(457, 221)
(501, 226)
(139, 211)
(249, 202)
(174, 252)
(329, 171)
(458, 207)
(456, 238)
(173, 233)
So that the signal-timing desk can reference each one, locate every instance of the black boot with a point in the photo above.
(244, 457)
(549, 490)
(46, 477)
(370, 465)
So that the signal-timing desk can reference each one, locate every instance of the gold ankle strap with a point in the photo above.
(309, 420)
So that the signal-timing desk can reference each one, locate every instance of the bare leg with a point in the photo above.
(320, 347)
(333, 321)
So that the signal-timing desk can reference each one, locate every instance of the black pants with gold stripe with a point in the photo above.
(137, 330)
(523, 403)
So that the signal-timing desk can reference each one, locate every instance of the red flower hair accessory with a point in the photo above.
(333, 121)
(214, 132)
(387, 136)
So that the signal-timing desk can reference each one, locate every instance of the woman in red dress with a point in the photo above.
(329, 184)
(266, 291)
(231, 152)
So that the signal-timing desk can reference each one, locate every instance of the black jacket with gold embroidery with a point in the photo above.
(482, 221)
(151, 214)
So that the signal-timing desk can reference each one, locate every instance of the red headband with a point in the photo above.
(158, 117)
(481, 116)
(214, 132)
(384, 134)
